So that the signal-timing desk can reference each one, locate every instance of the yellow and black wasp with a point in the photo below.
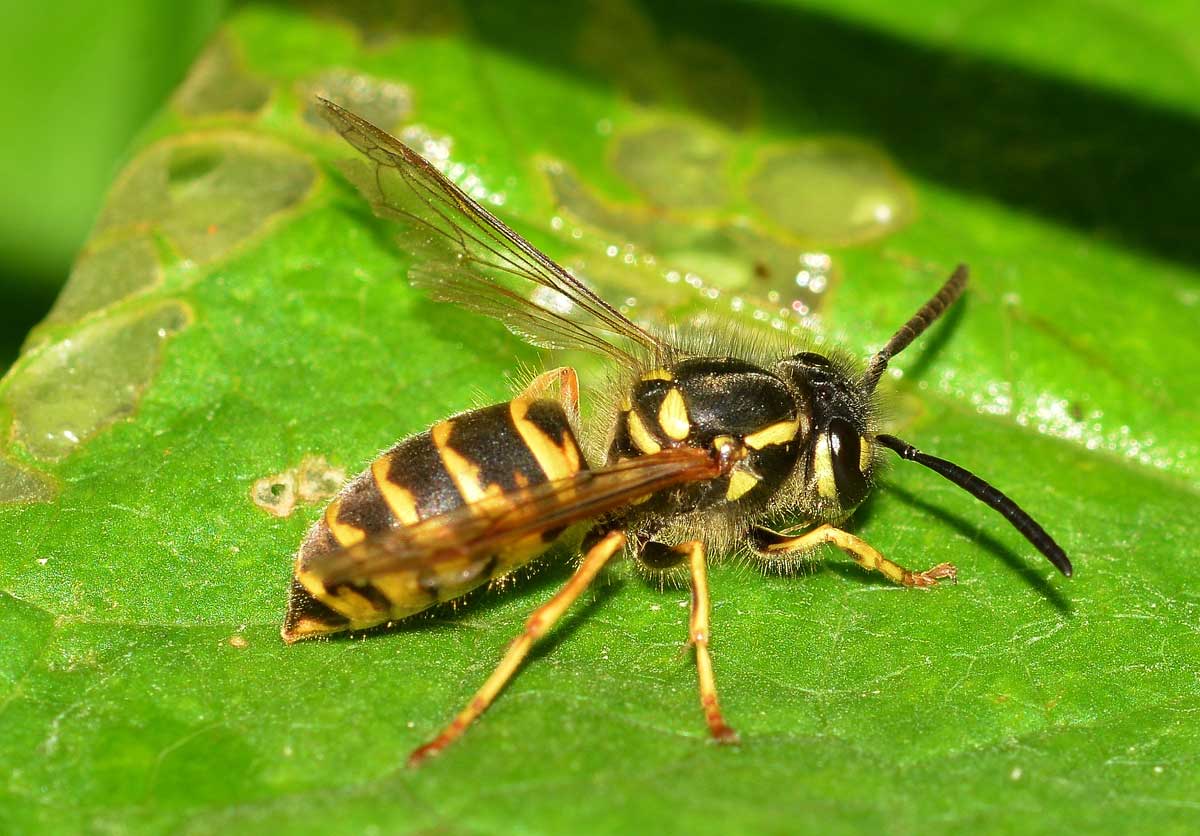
(705, 441)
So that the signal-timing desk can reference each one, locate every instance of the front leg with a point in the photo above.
(772, 543)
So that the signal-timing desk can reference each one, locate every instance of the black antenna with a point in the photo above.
(912, 329)
(985, 493)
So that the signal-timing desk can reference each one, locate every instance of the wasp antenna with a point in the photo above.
(915, 326)
(984, 492)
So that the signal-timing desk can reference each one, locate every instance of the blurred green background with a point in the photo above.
(79, 79)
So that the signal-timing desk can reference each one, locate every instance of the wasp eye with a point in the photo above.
(810, 358)
(847, 462)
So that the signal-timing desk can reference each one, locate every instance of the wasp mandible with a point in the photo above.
(706, 440)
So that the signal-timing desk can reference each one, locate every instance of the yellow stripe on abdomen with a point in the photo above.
(464, 472)
(556, 462)
(345, 533)
(399, 499)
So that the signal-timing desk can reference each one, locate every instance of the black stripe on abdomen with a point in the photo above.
(488, 439)
(417, 467)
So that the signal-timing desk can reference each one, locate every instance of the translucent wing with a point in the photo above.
(470, 535)
(468, 256)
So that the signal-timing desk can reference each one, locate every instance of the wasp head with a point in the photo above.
(838, 456)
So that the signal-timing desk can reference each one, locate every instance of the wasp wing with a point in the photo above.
(466, 255)
(469, 536)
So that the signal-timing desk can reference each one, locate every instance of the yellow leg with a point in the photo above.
(568, 388)
(698, 637)
(864, 554)
(542, 619)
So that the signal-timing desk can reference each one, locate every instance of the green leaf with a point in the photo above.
(74, 96)
(238, 335)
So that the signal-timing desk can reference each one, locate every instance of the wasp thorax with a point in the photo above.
(838, 457)
(716, 403)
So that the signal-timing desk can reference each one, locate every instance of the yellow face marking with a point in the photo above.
(673, 416)
(556, 462)
(344, 533)
(778, 433)
(463, 472)
(864, 455)
(641, 436)
(658, 374)
(740, 482)
(399, 500)
(823, 469)
(626, 404)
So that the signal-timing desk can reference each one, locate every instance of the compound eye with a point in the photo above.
(848, 462)
(810, 358)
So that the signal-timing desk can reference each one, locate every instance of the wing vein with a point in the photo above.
(477, 250)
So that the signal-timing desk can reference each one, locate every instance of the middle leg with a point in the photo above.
(661, 556)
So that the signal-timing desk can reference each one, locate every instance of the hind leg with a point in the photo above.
(568, 388)
(537, 625)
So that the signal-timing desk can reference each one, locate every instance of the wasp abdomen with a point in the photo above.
(480, 455)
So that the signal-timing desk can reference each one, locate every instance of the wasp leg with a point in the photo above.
(699, 636)
(659, 556)
(773, 543)
(568, 388)
(537, 625)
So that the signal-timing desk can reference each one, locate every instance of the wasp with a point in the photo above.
(705, 442)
